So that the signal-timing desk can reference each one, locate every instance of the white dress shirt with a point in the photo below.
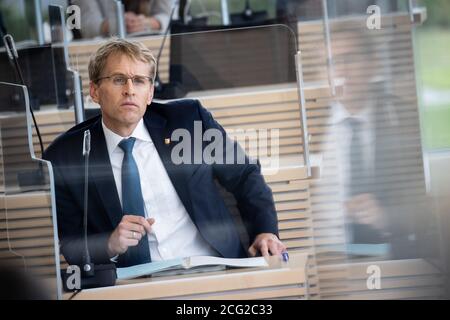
(343, 135)
(174, 235)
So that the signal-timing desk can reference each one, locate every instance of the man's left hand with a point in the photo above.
(266, 244)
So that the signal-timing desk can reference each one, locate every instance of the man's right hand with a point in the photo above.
(128, 233)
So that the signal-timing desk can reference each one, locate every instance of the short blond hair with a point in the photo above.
(132, 49)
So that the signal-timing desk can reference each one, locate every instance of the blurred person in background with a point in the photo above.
(373, 155)
(98, 17)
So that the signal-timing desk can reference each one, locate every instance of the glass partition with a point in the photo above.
(378, 148)
(351, 7)
(68, 81)
(373, 207)
(38, 65)
(432, 69)
(29, 240)
(247, 78)
(50, 86)
(100, 19)
(22, 20)
(234, 12)
(238, 57)
(370, 205)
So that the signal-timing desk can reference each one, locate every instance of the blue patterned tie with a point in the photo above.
(132, 201)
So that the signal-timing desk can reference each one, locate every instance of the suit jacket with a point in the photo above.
(194, 183)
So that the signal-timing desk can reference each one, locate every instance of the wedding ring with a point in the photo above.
(133, 235)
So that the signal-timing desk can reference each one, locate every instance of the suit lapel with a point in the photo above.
(101, 170)
(101, 174)
(178, 174)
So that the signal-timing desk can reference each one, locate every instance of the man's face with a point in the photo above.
(122, 106)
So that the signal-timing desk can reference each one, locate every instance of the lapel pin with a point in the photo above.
(167, 140)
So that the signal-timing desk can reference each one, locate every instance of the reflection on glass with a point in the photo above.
(359, 7)
(375, 134)
(19, 20)
(100, 18)
(370, 204)
(371, 208)
(44, 72)
(233, 58)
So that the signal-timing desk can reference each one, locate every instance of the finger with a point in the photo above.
(130, 243)
(273, 248)
(252, 251)
(147, 224)
(136, 227)
(282, 247)
(134, 235)
(132, 218)
(126, 227)
(150, 222)
(124, 243)
(136, 219)
(123, 230)
(264, 249)
(140, 221)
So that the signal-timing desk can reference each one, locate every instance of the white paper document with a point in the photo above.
(187, 263)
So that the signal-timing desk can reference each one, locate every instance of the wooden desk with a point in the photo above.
(400, 279)
(279, 280)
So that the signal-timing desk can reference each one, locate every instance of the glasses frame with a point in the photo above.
(150, 79)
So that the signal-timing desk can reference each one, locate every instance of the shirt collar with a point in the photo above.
(340, 114)
(113, 139)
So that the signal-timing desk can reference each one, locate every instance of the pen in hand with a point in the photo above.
(285, 256)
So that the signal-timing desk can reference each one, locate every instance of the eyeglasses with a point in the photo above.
(121, 80)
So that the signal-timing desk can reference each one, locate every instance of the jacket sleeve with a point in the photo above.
(70, 215)
(245, 181)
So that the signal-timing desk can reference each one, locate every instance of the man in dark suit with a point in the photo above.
(143, 204)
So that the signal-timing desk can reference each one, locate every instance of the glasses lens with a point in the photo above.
(119, 80)
(140, 81)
